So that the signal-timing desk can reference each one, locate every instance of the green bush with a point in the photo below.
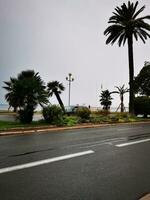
(98, 119)
(83, 113)
(101, 112)
(70, 120)
(114, 118)
(142, 105)
(53, 114)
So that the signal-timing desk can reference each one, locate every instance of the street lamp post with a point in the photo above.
(69, 79)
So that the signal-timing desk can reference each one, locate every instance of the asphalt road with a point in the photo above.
(111, 163)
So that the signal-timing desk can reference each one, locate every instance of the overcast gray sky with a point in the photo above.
(57, 37)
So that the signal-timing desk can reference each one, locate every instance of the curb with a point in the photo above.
(24, 131)
(51, 129)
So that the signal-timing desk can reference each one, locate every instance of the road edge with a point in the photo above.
(30, 130)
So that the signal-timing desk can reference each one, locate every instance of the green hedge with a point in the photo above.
(53, 114)
(142, 105)
(83, 113)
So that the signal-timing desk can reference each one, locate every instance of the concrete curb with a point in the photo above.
(37, 130)
(51, 129)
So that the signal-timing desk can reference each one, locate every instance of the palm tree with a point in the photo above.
(34, 89)
(125, 25)
(14, 94)
(106, 99)
(26, 92)
(54, 87)
(121, 91)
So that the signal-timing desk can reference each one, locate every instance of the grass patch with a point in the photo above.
(4, 125)
(70, 120)
(115, 118)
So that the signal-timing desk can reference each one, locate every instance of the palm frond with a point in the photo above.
(138, 12)
(124, 24)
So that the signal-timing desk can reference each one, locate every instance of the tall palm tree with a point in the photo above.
(125, 24)
(54, 87)
(121, 91)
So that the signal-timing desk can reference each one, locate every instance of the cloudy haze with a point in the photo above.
(57, 37)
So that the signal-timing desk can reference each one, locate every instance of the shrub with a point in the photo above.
(121, 120)
(114, 118)
(98, 119)
(142, 105)
(70, 120)
(53, 114)
(101, 112)
(83, 113)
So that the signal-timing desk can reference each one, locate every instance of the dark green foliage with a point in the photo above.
(26, 115)
(105, 99)
(99, 119)
(25, 92)
(70, 120)
(124, 25)
(113, 118)
(142, 105)
(54, 87)
(11, 98)
(53, 114)
(142, 81)
(83, 113)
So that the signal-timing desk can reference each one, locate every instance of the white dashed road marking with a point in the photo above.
(133, 142)
(46, 161)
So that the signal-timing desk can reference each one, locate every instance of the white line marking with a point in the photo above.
(126, 129)
(99, 144)
(131, 143)
(42, 162)
(106, 141)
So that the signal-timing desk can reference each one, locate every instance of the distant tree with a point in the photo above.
(121, 91)
(142, 80)
(54, 87)
(26, 92)
(125, 25)
(105, 99)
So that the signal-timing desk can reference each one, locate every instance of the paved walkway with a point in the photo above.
(12, 117)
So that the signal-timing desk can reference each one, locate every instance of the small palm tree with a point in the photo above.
(26, 92)
(121, 91)
(54, 87)
(125, 25)
(106, 99)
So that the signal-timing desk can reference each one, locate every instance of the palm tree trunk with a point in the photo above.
(60, 101)
(122, 105)
(131, 74)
